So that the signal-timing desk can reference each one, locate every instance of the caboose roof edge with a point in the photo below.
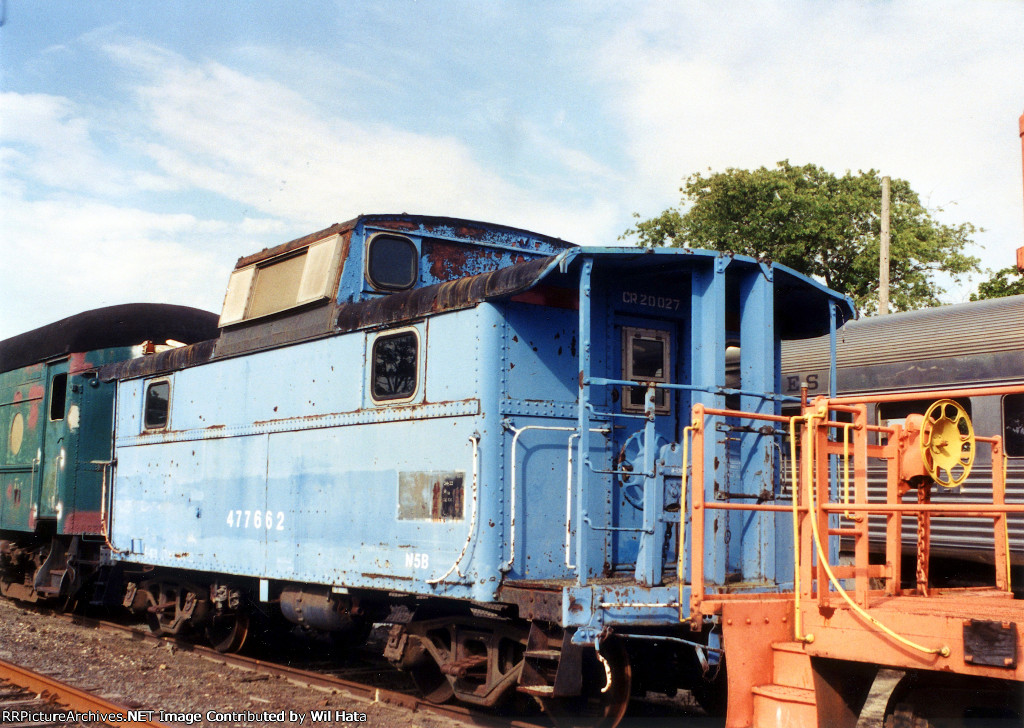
(847, 302)
(122, 325)
(795, 320)
(804, 314)
(447, 296)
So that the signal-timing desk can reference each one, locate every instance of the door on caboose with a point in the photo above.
(645, 347)
(53, 451)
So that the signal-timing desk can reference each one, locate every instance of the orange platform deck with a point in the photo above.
(982, 629)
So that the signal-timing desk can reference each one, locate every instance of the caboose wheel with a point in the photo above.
(929, 700)
(607, 678)
(947, 443)
(227, 632)
(425, 672)
(431, 681)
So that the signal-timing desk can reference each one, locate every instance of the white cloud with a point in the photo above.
(73, 254)
(74, 219)
(916, 90)
(257, 142)
(202, 161)
(48, 140)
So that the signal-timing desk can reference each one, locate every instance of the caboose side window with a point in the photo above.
(392, 262)
(395, 365)
(283, 282)
(277, 286)
(645, 358)
(158, 405)
(1013, 425)
(58, 397)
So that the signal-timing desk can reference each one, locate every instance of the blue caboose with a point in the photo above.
(474, 433)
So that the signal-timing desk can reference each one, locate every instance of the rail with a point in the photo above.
(681, 539)
(700, 506)
(61, 697)
(370, 685)
(106, 512)
(823, 560)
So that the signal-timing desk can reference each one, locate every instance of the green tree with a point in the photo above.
(1004, 282)
(822, 225)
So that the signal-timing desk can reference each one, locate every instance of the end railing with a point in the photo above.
(828, 479)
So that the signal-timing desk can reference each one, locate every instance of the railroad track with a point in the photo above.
(322, 678)
(370, 681)
(29, 698)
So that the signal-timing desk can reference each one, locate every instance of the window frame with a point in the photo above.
(317, 283)
(59, 377)
(629, 333)
(378, 286)
(16, 434)
(1002, 429)
(267, 279)
(397, 399)
(149, 384)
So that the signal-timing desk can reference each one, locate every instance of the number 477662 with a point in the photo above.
(266, 520)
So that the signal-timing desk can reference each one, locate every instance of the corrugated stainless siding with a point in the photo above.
(981, 342)
(969, 538)
(964, 329)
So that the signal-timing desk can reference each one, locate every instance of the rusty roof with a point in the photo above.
(420, 224)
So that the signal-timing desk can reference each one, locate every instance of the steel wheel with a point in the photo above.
(431, 681)
(228, 631)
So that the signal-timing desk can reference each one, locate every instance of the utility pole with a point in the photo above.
(1020, 251)
(883, 253)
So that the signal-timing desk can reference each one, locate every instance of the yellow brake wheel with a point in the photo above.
(947, 443)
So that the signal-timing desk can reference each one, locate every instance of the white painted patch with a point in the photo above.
(73, 417)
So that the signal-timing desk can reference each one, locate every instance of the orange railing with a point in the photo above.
(823, 440)
(701, 506)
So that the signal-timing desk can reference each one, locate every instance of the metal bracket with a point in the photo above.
(586, 636)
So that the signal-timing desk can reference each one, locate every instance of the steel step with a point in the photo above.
(543, 654)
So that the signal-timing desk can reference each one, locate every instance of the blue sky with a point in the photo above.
(145, 146)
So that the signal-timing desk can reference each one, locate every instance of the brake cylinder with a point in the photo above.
(317, 608)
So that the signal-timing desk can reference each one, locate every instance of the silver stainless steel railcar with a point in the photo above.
(965, 345)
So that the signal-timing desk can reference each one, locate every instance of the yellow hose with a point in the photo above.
(823, 559)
